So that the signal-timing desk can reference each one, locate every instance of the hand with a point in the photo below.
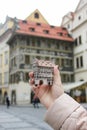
(48, 94)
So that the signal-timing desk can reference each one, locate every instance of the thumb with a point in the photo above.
(57, 78)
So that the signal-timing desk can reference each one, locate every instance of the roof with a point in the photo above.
(69, 86)
(43, 30)
(43, 63)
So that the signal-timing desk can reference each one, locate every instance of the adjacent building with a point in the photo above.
(76, 23)
(5, 34)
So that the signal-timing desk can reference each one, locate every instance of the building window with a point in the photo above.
(79, 17)
(24, 21)
(86, 36)
(68, 26)
(6, 58)
(77, 62)
(81, 61)
(76, 43)
(36, 15)
(39, 24)
(38, 43)
(0, 79)
(80, 40)
(46, 31)
(0, 60)
(27, 59)
(32, 29)
(6, 79)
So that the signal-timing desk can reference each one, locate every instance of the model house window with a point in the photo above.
(36, 15)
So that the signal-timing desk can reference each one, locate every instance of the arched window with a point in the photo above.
(36, 15)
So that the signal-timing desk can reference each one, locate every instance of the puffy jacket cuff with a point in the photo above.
(61, 109)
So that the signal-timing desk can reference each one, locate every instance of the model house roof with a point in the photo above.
(43, 63)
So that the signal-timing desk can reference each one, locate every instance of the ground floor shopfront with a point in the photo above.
(78, 90)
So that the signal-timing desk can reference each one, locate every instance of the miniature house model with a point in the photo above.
(43, 72)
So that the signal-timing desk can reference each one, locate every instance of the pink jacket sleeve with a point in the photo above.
(66, 114)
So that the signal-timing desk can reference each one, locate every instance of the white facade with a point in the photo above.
(76, 23)
(22, 93)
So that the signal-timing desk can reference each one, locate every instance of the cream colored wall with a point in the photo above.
(23, 92)
(41, 19)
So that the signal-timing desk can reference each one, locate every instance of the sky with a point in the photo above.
(52, 10)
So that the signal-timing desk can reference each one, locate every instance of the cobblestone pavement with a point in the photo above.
(23, 118)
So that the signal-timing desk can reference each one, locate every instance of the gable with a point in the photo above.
(67, 18)
(81, 4)
(36, 16)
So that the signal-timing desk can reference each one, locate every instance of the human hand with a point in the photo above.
(48, 94)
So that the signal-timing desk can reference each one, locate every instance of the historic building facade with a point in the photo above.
(29, 39)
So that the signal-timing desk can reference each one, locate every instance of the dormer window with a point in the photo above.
(60, 34)
(24, 21)
(38, 24)
(79, 17)
(46, 31)
(36, 15)
(32, 29)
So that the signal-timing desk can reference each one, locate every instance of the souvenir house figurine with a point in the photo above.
(43, 72)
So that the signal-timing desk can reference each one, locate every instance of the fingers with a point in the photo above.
(57, 78)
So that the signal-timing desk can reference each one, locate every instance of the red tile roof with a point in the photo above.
(43, 30)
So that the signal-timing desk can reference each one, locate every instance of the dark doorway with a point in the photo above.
(13, 97)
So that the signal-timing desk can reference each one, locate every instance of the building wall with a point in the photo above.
(22, 91)
(77, 26)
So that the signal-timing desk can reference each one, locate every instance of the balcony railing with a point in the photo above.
(67, 69)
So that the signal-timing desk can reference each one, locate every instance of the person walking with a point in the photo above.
(7, 102)
(35, 101)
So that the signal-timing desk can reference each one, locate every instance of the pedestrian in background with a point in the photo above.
(35, 101)
(7, 102)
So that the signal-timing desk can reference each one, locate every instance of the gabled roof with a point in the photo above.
(81, 4)
(43, 30)
(68, 17)
(36, 16)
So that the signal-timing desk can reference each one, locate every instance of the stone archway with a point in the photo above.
(13, 97)
(4, 98)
